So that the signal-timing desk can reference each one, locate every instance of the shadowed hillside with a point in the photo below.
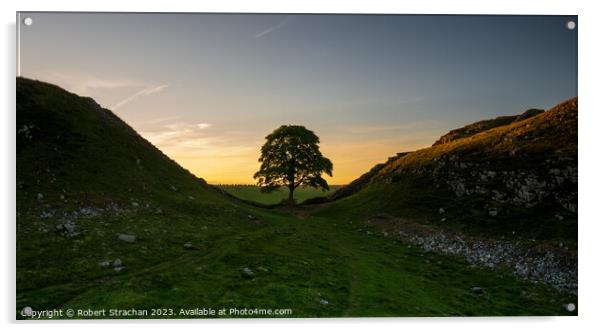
(72, 152)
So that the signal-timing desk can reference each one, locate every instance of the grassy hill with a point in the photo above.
(105, 220)
(484, 125)
(510, 189)
(520, 177)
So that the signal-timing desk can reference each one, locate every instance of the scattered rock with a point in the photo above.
(493, 212)
(105, 263)
(248, 273)
(117, 262)
(40, 196)
(189, 246)
(477, 290)
(118, 268)
(135, 204)
(441, 210)
(323, 302)
(443, 219)
(127, 237)
(66, 228)
(251, 217)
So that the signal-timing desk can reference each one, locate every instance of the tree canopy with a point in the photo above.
(290, 158)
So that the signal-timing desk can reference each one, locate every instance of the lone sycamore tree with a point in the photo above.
(290, 158)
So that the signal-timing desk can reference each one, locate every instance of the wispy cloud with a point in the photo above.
(144, 92)
(288, 19)
(85, 84)
(193, 139)
(204, 125)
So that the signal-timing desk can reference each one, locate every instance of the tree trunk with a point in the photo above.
(291, 188)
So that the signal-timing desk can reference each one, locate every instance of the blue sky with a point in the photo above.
(207, 88)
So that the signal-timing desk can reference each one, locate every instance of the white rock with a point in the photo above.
(117, 262)
(127, 237)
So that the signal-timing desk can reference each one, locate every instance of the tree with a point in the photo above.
(291, 157)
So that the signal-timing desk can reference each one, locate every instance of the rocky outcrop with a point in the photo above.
(553, 179)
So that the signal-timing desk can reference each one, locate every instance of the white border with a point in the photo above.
(590, 216)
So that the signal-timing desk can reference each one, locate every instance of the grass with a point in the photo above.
(297, 262)
(253, 193)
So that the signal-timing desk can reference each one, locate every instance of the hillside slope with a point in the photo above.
(481, 126)
(519, 177)
(506, 196)
(73, 153)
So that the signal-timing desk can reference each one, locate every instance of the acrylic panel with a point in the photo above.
(205, 165)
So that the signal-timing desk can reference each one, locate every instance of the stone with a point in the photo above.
(118, 268)
(68, 227)
(117, 262)
(105, 263)
(248, 273)
(127, 237)
(441, 210)
(477, 290)
(188, 245)
(40, 196)
(323, 302)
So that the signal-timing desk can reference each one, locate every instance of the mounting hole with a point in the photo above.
(571, 25)
(28, 21)
(570, 307)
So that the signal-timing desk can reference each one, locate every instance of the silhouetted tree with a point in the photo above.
(291, 157)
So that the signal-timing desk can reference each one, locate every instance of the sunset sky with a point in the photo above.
(207, 88)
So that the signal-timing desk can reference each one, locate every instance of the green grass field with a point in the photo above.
(253, 193)
(315, 266)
